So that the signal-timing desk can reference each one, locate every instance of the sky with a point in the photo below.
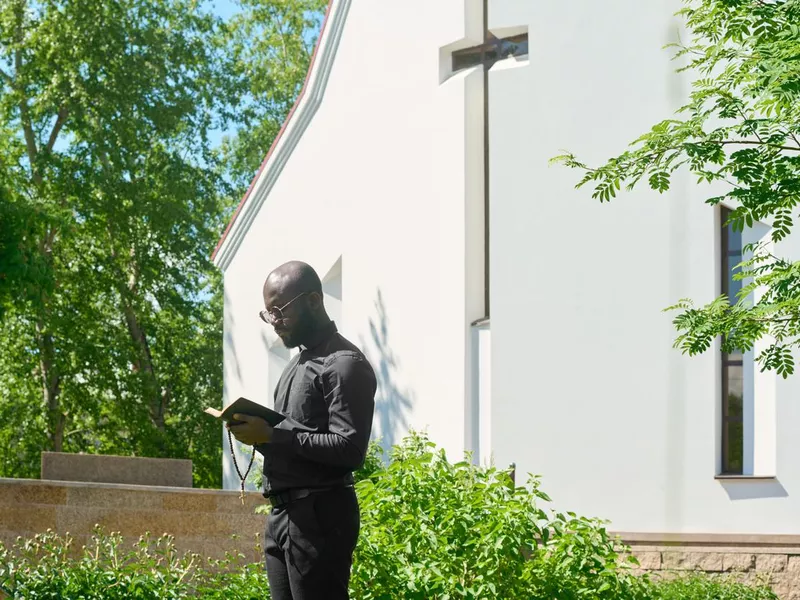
(226, 9)
(223, 8)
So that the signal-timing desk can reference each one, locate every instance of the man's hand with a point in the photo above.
(252, 430)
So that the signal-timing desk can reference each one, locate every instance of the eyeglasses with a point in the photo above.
(274, 315)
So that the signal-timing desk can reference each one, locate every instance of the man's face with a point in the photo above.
(290, 314)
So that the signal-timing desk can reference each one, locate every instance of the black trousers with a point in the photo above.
(309, 546)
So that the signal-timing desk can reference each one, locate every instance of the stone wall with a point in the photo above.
(106, 468)
(775, 558)
(209, 522)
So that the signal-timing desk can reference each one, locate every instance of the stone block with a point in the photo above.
(81, 520)
(228, 501)
(30, 491)
(99, 468)
(792, 579)
(771, 563)
(793, 565)
(189, 502)
(648, 561)
(113, 497)
(781, 589)
(210, 522)
(738, 562)
(692, 561)
(242, 525)
(157, 523)
(30, 518)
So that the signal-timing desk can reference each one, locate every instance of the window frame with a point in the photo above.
(726, 361)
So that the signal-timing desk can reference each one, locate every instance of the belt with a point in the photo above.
(280, 499)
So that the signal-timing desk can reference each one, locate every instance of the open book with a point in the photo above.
(243, 406)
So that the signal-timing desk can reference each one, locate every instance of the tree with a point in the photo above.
(18, 269)
(111, 198)
(270, 45)
(740, 129)
(107, 173)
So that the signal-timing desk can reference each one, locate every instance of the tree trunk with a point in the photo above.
(48, 365)
(156, 397)
(51, 388)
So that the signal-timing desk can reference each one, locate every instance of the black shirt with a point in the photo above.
(330, 388)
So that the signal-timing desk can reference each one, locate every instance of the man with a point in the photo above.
(329, 387)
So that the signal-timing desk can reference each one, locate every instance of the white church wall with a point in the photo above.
(383, 194)
(586, 388)
(378, 181)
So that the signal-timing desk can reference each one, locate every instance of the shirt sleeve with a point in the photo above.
(348, 385)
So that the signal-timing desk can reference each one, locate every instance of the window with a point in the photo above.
(732, 363)
(491, 51)
(748, 414)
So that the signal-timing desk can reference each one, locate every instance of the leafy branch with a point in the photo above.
(739, 128)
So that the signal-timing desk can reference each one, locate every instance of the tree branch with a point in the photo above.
(755, 131)
(6, 76)
(749, 143)
(27, 127)
(50, 239)
(60, 120)
(654, 157)
(30, 137)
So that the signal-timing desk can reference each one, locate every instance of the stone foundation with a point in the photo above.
(774, 558)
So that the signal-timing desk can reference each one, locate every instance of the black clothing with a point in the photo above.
(329, 387)
(309, 546)
(313, 527)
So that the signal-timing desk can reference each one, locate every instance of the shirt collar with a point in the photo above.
(323, 334)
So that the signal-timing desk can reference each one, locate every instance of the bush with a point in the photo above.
(47, 568)
(431, 530)
(697, 587)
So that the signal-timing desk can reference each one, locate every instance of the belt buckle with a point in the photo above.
(291, 495)
(277, 500)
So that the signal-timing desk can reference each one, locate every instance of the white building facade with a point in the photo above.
(505, 312)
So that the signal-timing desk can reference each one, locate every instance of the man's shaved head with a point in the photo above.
(294, 290)
(294, 277)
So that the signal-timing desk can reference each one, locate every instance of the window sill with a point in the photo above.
(745, 477)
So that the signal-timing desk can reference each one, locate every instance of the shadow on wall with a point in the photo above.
(392, 403)
(230, 369)
(232, 362)
(753, 489)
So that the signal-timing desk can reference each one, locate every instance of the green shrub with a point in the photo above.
(704, 587)
(47, 568)
(431, 530)
(373, 462)
(436, 530)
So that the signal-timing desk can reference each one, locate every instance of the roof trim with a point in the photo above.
(293, 128)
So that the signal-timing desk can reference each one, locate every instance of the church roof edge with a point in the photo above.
(223, 253)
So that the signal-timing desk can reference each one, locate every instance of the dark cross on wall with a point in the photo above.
(492, 50)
